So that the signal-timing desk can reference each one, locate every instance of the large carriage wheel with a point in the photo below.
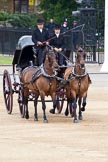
(21, 102)
(7, 91)
(60, 100)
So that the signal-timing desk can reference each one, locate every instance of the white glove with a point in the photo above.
(56, 49)
(39, 43)
(47, 43)
(60, 49)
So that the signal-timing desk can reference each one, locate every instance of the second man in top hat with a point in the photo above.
(57, 42)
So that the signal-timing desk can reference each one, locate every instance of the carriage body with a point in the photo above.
(24, 52)
(11, 83)
(23, 57)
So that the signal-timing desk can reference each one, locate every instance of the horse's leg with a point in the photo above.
(71, 108)
(80, 113)
(26, 94)
(67, 110)
(52, 111)
(35, 106)
(84, 103)
(75, 120)
(26, 107)
(44, 108)
(68, 101)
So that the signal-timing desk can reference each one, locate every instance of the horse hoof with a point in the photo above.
(82, 109)
(45, 121)
(52, 111)
(80, 118)
(75, 121)
(66, 113)
(27, 116)
(35, 119)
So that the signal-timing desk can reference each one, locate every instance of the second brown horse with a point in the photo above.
(78, 85)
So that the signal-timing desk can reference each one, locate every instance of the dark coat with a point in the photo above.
(38, 36)
(50, 27)
(58, 42)
(64, 29)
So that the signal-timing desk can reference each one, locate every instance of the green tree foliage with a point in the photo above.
(4, 16)
(58, 9)
(18, 20)
(21, 20)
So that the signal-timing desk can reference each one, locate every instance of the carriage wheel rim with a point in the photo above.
(7, 90)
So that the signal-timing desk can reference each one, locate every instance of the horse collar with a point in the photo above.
(46, 74)
(79, 75)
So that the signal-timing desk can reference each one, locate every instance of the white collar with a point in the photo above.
(57, 35)
(41, 30)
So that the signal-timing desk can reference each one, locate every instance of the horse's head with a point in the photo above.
(80, 57)
(51, 59)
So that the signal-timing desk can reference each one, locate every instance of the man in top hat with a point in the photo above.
(40, 37)
(57, 42)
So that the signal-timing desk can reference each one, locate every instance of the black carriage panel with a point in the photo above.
(26, 55)
(24, 51)
(16, 56)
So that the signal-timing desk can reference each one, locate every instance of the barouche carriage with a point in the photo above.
(44, 81)
(24, 58)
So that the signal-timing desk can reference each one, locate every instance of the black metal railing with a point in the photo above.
(9, 37)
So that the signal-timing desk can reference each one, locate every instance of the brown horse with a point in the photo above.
(78, 85)
(41, 82)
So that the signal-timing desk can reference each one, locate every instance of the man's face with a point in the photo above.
(65, 22)
(40, 26)
(51, 20)
(57, 31)
(74, 23)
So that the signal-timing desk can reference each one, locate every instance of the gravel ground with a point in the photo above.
(60, 139)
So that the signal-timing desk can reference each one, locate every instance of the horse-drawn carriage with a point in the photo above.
(40, 81)
(24, 59)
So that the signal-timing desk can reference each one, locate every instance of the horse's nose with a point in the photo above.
(56, 67)
(82, 66)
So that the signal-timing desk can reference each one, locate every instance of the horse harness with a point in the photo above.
(74, 76)
(40, 71)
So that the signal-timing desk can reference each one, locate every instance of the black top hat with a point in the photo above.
(57, 26)
(40, 21)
